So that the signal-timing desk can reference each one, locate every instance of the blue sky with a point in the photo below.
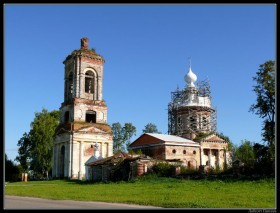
(146, 49)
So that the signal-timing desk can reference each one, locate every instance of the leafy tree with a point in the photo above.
(117, 136)
(151, 128)
(36, 147)
(261, 152)
(263, 164)
(122, 135)
(12, 171)
(245, 152)
(42, 137)
(128, 131)
(265, 103)
(24, 152)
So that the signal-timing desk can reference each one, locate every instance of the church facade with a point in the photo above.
(83, 121)
(192, 138)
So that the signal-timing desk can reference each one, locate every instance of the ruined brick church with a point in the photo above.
(84, 136)
(83, 121)
(192, 138)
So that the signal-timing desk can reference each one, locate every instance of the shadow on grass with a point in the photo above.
(153, 178)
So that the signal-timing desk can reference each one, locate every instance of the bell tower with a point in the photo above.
(83, 120)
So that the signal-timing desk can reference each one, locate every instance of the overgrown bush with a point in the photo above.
(188, 171)
(164, 169)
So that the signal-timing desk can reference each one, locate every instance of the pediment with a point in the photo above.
(91, 129)
(212, 138)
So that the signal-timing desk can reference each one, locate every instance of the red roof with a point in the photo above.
(149, 138)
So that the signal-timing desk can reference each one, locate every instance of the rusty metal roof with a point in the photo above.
(113, 158)
(171, 138)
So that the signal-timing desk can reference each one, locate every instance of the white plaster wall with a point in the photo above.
(88, 140)
(81, 108)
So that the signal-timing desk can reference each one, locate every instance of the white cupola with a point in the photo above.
(190, 78)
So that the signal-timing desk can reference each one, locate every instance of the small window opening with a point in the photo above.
(66, 117)
(62, 150)
(89, 81)
(91, 116)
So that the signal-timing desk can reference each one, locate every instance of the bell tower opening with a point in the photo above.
(89, 82)
(90, 116)
(69, 86)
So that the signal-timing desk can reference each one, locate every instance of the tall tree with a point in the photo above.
(36, 147)
(150, 128)
(24, 152)
(263, 164)
(265, 103)
(117, 136)
(42, 136)
(12, 171)
(128, 131)
(245, 152)
(122, 135)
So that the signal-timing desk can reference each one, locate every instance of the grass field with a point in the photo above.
(156, 191)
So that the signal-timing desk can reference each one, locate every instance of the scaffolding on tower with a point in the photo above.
(184, 118)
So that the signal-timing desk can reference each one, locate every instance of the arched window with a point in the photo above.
(174, 151)
(62, 155)
(184, 152)
(91, 116)
(193, 123)
(66, 117)
(63, 150)
(70, 86)
(89, 82)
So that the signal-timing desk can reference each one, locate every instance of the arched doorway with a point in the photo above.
(61, 161)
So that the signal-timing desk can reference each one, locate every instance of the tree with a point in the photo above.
(151, 128)
(245, 152)
(122, 135)
(117, 136)
(12, 171)
(36, 147)
(263, 164)
(42, 137)
(24, 152)
(261, 152)
(128, 131)
(265, 103)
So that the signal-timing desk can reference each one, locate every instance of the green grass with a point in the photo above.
(156, 191)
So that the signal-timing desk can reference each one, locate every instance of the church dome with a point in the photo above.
(190, 78)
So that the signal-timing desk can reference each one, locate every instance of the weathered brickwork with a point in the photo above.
(83, 120)
(192, 154)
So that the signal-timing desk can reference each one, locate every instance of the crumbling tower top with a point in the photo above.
(84, 43)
